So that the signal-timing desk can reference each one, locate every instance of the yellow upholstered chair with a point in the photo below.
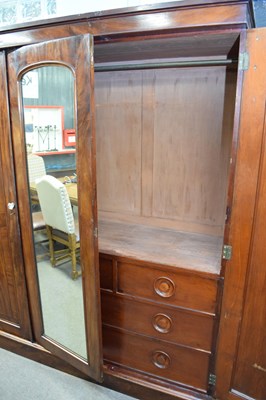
(59, 220)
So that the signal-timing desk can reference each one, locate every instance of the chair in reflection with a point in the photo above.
(36, 167)
(59, 220)
(36, 170)
(40, 236)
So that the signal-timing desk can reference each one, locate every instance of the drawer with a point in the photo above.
(162, 285)
(167, 361)
(164, 323)
(106, 272)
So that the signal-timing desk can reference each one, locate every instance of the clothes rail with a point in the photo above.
(168, 64)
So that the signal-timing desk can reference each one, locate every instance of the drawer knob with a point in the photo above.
(164, 287)
(161, 359)
(162, 323)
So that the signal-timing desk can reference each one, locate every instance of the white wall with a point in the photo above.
(16, 11)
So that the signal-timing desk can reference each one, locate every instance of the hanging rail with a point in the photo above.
(167, 64)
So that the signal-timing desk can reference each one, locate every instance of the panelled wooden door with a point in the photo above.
(14, 311)
(241, 361)
(250, 372)
(75, 54)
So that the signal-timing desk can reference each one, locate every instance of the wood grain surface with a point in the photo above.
(14, 310)
(243, 307)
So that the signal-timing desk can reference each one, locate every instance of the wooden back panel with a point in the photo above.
(163, 145)
(119, 133)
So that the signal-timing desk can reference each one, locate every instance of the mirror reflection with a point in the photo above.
(50, 137)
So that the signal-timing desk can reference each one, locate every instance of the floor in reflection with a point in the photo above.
(62, 303)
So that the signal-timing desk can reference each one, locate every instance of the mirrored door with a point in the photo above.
(51, 96)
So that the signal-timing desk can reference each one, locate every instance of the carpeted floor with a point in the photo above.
(62, 306)
(23, 379)
(63, 315)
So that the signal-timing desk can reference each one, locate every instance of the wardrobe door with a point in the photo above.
(241, 361)
(250, 372)
(14, 315)
(65, 307)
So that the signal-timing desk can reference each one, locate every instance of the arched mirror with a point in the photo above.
(51, 97)
(50, 139)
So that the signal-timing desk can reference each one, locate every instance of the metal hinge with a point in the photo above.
(243, 62)
(212, 379)
(227, 252)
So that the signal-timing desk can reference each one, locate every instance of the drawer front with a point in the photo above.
(106, 273)
(185, 366)
(160, 285)
(164, 323)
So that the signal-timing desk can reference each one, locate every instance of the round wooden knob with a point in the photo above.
(162, 323)
(161, 359)
(164, 287)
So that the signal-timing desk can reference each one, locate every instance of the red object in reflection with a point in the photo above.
(69, 138)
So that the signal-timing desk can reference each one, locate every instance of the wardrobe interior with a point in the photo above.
(164, 135)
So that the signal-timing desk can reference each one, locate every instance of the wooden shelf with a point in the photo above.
(54, 153)
(191, 251)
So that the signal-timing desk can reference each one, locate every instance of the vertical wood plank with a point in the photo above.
(189, 177)
(148, 107)
(118, 124)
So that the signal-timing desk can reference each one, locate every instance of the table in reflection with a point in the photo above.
(72, 190)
